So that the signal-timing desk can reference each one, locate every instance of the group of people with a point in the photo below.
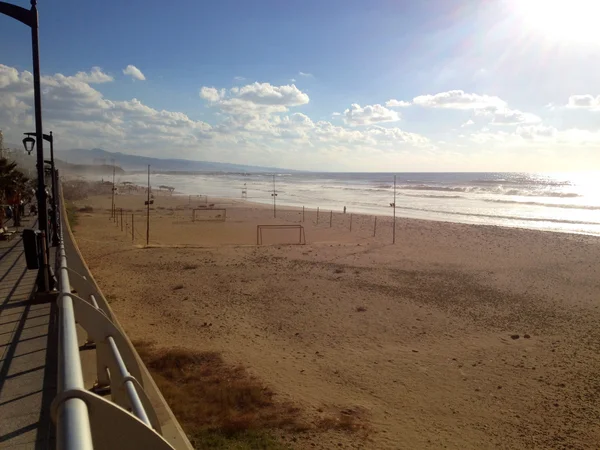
(14, 213)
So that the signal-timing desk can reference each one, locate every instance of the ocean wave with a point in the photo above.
(551, 205)
(523, 182)
(493, 216)
(496, 190)
(426, 187)
(431, 196)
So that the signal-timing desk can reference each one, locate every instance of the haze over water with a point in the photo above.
(568, 202)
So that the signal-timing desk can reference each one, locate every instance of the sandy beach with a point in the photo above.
(458, 336)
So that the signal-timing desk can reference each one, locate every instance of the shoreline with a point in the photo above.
(521, 213)
(291, 207)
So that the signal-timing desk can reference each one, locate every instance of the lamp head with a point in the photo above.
(28, 143)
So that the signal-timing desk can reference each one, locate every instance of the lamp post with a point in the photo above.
(30, 18)
(50, 138)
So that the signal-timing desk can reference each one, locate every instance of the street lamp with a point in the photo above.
(30, 18)
(28, 143)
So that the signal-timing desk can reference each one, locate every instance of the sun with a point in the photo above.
(562, 20)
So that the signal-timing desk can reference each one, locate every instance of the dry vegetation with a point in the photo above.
(220, 406)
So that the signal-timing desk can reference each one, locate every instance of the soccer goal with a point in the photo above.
(283, 234)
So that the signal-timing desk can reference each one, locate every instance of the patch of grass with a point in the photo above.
(248, 440)
(361, 309)
(86, 209)
(221, 406)
(339, 270)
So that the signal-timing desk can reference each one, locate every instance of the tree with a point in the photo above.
(13, 185)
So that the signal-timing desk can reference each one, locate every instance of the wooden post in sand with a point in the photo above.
(148, 211)
(317, 215)
(375, 226)
(394, 232)
(330, 218)
(350, 222)
(303, 214)
(112, 209)
(132, 235)
(121, 219)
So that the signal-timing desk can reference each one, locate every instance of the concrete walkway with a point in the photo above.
(28, 345)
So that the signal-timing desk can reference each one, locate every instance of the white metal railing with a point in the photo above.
(73, 429)
(84, 420)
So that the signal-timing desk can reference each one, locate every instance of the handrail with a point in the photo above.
(72, 422)
(134, 398)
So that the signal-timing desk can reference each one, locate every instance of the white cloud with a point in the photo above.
(247, 103)
(267, 94)
(468, 123)
(371, 114)
(292, 80)
(238, 78)
(506, 116)
(306, 75)
(95, 76)
(211, 94)
(458, 99)
(586, 101)
(134, 72)
(536, 131)
(255, 125)
(393, 103)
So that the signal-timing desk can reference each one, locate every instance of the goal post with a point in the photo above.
(291, 228)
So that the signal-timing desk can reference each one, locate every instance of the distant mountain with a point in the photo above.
(134, 163)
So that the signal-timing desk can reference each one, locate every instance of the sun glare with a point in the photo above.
(564, 20)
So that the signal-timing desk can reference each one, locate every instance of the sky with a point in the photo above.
(433, 85)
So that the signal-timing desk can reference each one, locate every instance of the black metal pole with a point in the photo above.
(55, 240)
(41, 191)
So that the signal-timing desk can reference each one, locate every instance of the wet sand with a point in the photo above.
(458, 336)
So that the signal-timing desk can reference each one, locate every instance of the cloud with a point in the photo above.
(306, 75)
(536, 131)
(238, 78)
(393, 103)
(255, 125)
(506, 116)
(95, 76)
(292, 80)
(134, 72)
(458, 99)
(247, 103)
(586, 101)
(211, 94)
(468, 123)
(371, 114)
(267, 94)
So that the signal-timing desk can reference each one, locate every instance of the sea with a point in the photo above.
(561, 202)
